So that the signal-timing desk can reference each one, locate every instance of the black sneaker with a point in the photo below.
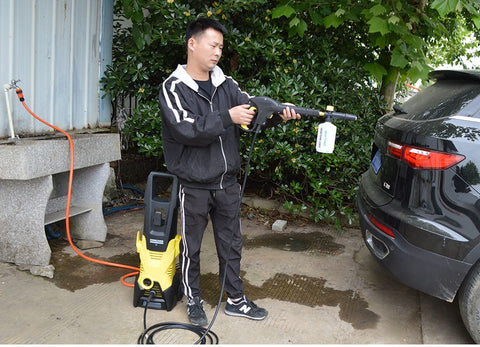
(195, 311)
(245, 308)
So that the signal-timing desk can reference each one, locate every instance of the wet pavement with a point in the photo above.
(319, 286)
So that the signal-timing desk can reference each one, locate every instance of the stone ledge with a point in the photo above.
(257, 202)
(29, 158)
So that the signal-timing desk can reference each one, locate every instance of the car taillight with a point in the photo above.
(380, 226)
(421, 158)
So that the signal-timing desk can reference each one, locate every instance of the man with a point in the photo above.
(200, 109)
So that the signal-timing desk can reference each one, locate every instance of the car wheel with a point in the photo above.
(469, 302)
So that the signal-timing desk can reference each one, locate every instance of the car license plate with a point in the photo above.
(376, 162)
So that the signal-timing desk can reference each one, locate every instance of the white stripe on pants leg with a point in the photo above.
(185, 265)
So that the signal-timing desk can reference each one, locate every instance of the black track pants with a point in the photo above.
(222, 205)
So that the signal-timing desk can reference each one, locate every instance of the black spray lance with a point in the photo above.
(266, 108)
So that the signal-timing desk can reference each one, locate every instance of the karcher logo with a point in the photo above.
(245, 309)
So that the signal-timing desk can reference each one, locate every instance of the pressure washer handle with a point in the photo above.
(338, 115)
(310, 112)
(303, 111)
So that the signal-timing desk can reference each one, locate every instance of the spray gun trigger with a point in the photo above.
(244, 126)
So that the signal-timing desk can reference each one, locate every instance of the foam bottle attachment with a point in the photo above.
(326, 135)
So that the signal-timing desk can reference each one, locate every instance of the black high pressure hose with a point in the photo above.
(148, 334)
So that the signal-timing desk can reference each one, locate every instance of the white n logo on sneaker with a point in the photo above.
(245, 309)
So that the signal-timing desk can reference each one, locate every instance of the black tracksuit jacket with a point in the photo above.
(200, 141)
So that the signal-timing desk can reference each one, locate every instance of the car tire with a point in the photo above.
(469, 302)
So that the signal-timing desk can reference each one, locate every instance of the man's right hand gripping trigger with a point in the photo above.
(242, 114)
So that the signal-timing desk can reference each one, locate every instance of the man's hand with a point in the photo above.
(241, 114)
(289, 113)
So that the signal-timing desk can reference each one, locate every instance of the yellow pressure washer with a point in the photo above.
(157, 285)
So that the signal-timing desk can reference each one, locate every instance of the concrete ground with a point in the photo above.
(319, 286)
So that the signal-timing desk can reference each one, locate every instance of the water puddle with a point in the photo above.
(74, 272)
(303, 290)
(314, 242)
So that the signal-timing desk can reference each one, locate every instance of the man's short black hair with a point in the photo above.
(201, 24)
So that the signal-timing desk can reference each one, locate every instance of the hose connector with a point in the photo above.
(20, 94)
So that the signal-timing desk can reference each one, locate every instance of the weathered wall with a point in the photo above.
(59, 50)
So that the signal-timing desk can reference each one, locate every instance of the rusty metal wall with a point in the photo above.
(58, 49)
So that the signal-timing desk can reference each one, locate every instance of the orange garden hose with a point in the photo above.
(69, 197)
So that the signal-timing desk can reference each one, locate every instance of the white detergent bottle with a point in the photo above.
(326, 137)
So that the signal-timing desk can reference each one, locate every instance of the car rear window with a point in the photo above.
(443, 99)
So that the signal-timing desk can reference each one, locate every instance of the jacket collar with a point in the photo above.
(217, 76)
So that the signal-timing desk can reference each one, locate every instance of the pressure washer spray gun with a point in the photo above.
(266, 108)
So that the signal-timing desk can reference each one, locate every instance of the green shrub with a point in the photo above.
(323, 68)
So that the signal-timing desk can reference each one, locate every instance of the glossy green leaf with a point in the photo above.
(378, 25)
(283, 10)
(444, 7)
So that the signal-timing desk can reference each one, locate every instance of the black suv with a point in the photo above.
(419, 201)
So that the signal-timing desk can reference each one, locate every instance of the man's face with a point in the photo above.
(207, 49)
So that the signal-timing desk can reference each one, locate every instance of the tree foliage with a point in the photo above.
(400, 32)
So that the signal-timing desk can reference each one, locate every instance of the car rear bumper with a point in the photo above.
(415, 267)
